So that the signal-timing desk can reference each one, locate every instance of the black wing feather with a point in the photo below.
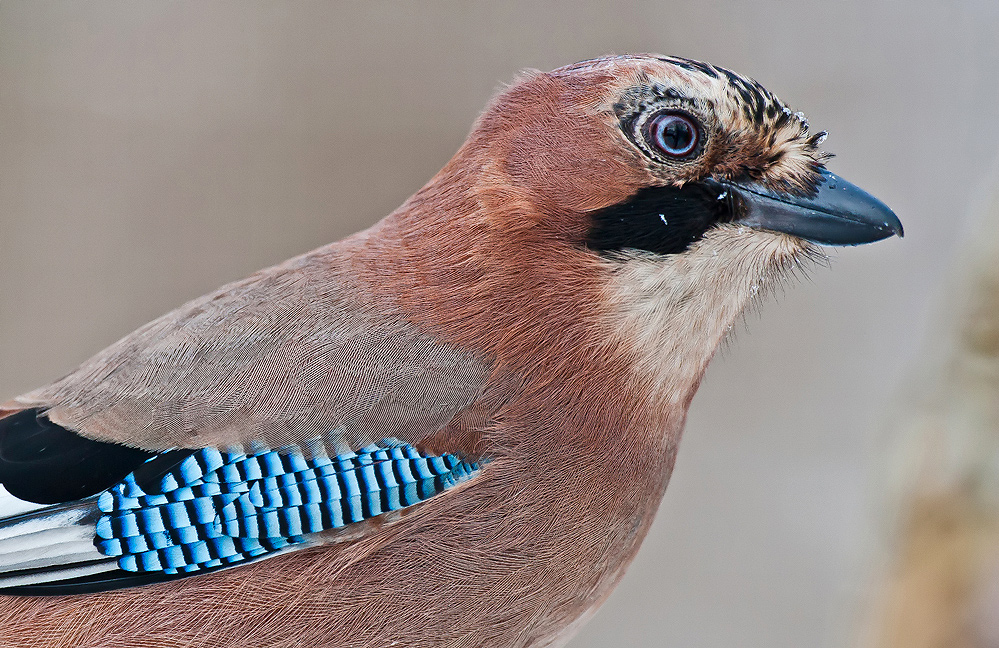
(46, 463)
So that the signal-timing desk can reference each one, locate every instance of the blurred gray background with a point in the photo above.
(151, 151)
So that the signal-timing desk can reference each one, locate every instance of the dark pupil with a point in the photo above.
(677, 135)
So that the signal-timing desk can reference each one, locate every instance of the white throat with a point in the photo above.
(672, 311)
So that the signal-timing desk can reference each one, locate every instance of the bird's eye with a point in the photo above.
(672, 133)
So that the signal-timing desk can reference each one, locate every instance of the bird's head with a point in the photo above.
(690, 188)
(652, 153)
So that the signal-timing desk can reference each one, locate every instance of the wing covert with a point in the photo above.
(216, 509)
(184, 513)
(295, 352)
(258, 419)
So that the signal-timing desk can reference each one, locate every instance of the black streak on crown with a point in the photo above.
(692, 65)
(758, 104)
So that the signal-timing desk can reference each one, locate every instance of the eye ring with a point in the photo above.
(672, 133)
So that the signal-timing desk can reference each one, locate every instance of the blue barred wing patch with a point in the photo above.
(216, 509)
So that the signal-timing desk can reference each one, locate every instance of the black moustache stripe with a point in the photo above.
(664, 220)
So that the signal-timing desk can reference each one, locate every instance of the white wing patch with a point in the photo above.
(51, 543)
(11, 506)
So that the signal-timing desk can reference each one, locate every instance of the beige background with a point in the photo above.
(152, 151)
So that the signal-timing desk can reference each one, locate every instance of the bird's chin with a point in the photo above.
(672, 311)
(730, 265)
(757, 261)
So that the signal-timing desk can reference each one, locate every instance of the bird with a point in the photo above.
(453, 428)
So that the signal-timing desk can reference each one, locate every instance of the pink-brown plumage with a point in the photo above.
(569, 371)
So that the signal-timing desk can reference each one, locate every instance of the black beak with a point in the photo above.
(836, 213)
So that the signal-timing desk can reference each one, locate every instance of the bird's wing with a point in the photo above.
(258, 419)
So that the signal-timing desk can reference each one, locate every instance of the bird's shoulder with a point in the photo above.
(301, 349)
(264, 417)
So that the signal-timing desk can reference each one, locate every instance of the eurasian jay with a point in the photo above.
(451, 429)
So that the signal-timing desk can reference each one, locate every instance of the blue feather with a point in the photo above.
(215, 509)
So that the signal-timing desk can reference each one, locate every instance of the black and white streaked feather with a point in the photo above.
(184, 512)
